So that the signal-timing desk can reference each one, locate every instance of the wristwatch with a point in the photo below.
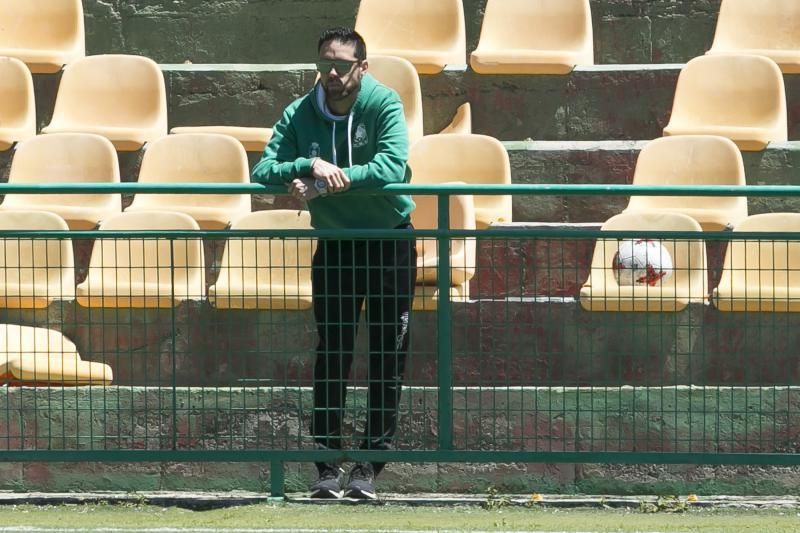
(321, 186)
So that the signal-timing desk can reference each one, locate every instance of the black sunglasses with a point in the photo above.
(341, 67)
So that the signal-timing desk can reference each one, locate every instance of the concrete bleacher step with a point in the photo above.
(614, 162)
(625, 31)
(552, 264)
(665, 418)
(609, 102)
(514, 341)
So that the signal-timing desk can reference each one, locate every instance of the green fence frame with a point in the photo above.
(445, 451)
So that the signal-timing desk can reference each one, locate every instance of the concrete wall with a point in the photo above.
(614, 163)
(668, 419)
(495, 341)
(286, 31)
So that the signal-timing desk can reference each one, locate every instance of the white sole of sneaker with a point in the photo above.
(327, 494)
(360, 495)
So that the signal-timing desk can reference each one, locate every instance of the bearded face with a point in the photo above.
(340, 71)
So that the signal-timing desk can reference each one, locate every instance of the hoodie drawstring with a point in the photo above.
(350, 139)
(333, 143)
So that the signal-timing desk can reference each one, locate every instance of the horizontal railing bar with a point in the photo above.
(418, 456)
(402, 188)
(358, 234)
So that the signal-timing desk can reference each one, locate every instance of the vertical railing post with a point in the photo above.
(276, 479)
(172, 348)
(444, 378)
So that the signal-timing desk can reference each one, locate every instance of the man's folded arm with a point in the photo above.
(280, 163)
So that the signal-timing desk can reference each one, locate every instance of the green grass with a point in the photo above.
(397, 517)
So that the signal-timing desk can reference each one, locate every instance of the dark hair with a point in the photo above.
(344, 36)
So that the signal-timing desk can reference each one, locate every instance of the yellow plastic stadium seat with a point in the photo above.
(253, 139)
(462, 120)
(534, 37)
(688, 282)
(761, 275)
(428, 33)
(66, 158)
(768, 28)
(473, 159)
(266, 273)
(34, 272)
(144, 272)
(39, 356)
(399, 74)
(692, 160)
(462, 250)
(121, 97)
(195, 158)
(736, 96)
(17, 103)
(45, 34)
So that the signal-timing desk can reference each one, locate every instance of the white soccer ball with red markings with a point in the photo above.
(641, 262)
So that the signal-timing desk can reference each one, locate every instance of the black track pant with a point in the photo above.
(345, 274)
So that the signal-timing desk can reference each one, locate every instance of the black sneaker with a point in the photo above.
(329, 484)
(361, 484)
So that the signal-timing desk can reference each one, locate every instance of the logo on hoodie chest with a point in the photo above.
(360, 138)
(313, 150)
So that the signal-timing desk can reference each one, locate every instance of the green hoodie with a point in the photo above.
(374, 136)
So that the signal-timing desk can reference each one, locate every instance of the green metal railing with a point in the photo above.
(513, 374)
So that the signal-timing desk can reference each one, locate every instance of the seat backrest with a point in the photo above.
(468, 158)
(17, 102)
(26, 254)
(42, 25)
(274, 261)
(688, 256)
(400, 75)
(537, 24)
(148, 260)
(253, 139)
(462, 250)
(729, 90)
(689, 160)
(769, 262)
(413, 25)
(758, 25)
(34, 355)
(194, 158)
(21, 341)
(43, 266)
(112, 90)
(64, 158)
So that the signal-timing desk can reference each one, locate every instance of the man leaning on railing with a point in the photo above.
(349, 132)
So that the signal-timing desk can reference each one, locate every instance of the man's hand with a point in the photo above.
(303, 189)
(334, 176)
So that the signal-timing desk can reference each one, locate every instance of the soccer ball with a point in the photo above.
(641, 262)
